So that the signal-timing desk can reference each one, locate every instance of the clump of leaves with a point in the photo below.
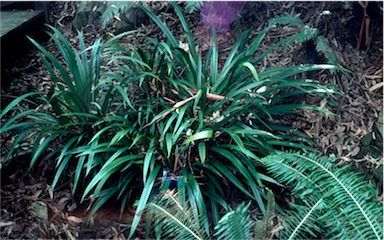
(60, 124)
(67, 110)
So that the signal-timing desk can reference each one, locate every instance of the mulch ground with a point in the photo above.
(29, 209)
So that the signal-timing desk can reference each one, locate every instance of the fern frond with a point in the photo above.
(114, 8)
(286, 19)
(348, 206)
(331, 58)
(174, 219)
(303, 221)
(306, 34)
(235, 224)
(322, 46)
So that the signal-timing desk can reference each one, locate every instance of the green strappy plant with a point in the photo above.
(57, 125)
(200, 124)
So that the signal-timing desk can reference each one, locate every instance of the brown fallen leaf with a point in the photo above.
(355, 151)
(211, 96)
(175, 107)
(75, 219)
(308, 132)
(31, 198)
(345, 159)
(34, 198)
(372, 76)
(376, 86)
(6, 224)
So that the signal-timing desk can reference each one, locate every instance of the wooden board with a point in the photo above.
(17, 20)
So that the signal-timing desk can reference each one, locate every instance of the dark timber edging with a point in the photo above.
(19, 20)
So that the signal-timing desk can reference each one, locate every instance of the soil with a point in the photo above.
(29, 209)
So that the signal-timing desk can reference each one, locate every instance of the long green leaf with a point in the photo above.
(15, 102)
(205, 134)
(40, 150)
(149, 157)
(143, 200)
(163, 27)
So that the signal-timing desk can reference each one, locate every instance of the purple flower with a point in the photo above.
(220, 15)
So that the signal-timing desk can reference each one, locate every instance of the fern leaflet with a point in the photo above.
(114, 8)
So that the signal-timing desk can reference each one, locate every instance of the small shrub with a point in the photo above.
(65, 119)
